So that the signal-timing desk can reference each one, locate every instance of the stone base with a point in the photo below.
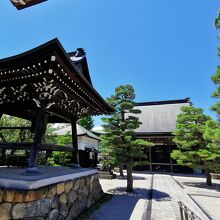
(107, 175)
(116, 169)
(63, 200)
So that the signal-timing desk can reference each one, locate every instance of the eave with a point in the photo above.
(38, 74)
(21, 4)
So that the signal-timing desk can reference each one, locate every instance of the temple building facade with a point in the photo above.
(158, 122)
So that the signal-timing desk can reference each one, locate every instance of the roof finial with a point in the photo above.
(81, 51)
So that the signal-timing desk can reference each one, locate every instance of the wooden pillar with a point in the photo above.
(3, 151)
(150, 159)
(75, 153)
(48, 154)
(171, 161)
(40, 128)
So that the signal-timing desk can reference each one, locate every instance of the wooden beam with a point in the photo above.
(13, 128)
(41, 122)
(55, 147)
(75, 154)
(27, 146)
(15, 145)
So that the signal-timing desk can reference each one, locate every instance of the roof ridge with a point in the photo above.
(164, 102)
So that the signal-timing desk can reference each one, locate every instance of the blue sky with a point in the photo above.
(166, 49)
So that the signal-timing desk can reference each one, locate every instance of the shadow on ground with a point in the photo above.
(121, 206)
(138, 192)
(134, 177)
(215, 186)
(160, 196)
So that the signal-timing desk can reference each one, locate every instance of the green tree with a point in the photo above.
(212, 131)
(119, 140)
(86, 122)
(194, 150)
(59, 158)
(49, 137)
(211, 135)
(14, 135)
(216, 77)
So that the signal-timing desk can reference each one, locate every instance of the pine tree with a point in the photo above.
(119, 140)
(212, 131)
(194, 150)
(216, 76)
(86, 122)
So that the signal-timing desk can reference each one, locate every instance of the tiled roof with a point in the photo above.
(159, 116)
(80, 131)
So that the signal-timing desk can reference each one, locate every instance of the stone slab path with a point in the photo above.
(166, 194)
(207, 197)
(124, 206)
(210, 204)
(166, 191)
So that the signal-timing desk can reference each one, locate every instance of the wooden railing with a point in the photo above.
(26, 146)
(22, 160)
(186, 213)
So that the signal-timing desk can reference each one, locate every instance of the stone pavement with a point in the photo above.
(207, 197)
(166, 194)
(124, 206)
(166, 191)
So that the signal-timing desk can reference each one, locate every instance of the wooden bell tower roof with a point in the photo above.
(21, 4)
(48, 77)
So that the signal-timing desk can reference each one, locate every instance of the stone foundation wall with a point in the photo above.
(64, 200)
